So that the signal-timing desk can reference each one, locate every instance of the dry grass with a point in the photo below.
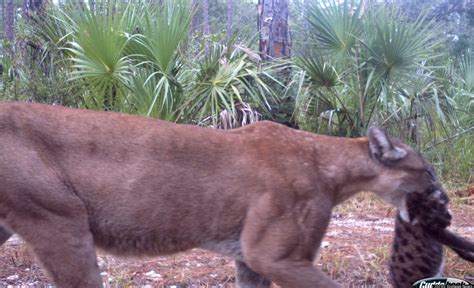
(356, 250)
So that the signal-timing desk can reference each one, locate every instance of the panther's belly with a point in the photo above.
(229, 247)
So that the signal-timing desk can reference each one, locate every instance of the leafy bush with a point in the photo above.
(128, 58)
(369, 66)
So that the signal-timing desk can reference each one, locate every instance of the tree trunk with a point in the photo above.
(273, 29)
(38, 5)
(3, 19)
(33, 6)
(31, 9)
(275, 43)
(306, 45)
(205, 19)
(24, 8)
(9, 28)
(230, 16)
(469, 4)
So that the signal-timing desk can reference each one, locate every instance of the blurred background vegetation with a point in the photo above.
(332, 67)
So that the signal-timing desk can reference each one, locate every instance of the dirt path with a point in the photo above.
(355, 252)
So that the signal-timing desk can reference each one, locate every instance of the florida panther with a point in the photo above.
(71, 180)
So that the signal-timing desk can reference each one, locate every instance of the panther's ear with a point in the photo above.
(381, 148)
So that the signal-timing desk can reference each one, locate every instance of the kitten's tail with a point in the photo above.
(463, 247)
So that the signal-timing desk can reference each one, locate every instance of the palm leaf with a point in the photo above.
(97, 48)
(336, 26)
(223, 79)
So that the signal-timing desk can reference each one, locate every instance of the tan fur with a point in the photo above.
(72, 179)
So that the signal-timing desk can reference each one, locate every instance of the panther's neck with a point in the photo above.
(351, 169)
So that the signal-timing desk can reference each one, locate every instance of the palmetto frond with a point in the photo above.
(321, 73)
(154, 51)
(223, 79)
(376, 56)
(395, 46)
(97, 49)
(466, 66)
(336, 26)
(242, 115)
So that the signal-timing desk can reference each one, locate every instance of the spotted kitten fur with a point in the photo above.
(415, 254)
